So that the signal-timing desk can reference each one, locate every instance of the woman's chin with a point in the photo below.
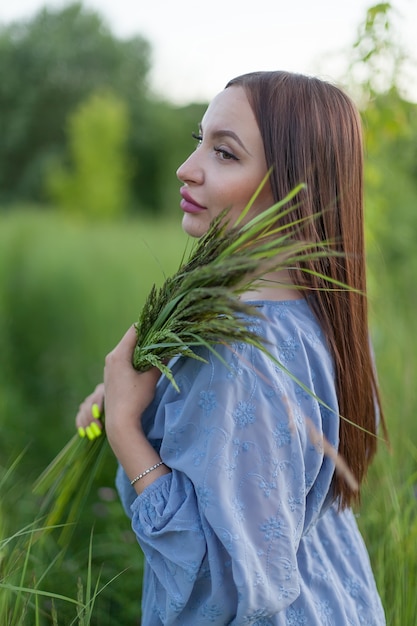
(194, 225)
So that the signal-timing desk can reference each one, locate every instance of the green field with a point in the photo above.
(68, 291)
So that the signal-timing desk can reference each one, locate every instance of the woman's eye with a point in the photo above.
(198, 137)
(225, 154)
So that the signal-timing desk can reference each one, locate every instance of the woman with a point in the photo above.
(240, 514)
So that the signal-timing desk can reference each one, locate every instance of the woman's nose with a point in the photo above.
(191, 171)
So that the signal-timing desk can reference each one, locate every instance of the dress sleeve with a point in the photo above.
(220, 533)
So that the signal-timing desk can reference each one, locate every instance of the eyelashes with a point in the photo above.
(224, 154)
(197, 137)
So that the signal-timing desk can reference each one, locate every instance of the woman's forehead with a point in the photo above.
(231, 110)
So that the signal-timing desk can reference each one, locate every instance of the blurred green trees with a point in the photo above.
(376, 77)
(97, 182)
(47, 67)
(50, 66)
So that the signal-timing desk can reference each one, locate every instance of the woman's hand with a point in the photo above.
(89, 411)
(127, 392)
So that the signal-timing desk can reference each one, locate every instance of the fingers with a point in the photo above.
(124, 349)
(98, 400)
(94, 428)
(89, 412)
(127, 391)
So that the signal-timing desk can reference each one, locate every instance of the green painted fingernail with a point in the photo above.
(95, 411)
(90, 433)
(96, 429)
(81, 431)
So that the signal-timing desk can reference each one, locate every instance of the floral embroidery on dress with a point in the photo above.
(288, 349)
(256, 328)
(228, 539)
(244, 414)
(284, 592)
(296, 617)
(238, 508)
(211, 612)
(365, 620)
(302, 395)
(230, 469)
(294, 502)
(207, 402)
(266, 487)
(288, 567)
(198, 455)
(261, 616)
(282, 434)
(204, 495)
(324, 610)
(176, 605)
(282, 310)
(273, 528)
(353, 586)
(259, 579)
(240, 447)
(235, 364)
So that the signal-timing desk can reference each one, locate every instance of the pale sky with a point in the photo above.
(199, 45)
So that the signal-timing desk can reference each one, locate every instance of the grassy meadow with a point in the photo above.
(68, 291)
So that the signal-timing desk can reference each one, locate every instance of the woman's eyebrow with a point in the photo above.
(218, 134)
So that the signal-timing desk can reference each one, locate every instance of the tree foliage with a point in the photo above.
(97, 182)
(52, 64)
(48, 66)
(376, 75)
(377, 57)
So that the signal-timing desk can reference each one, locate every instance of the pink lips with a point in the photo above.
(188, 204)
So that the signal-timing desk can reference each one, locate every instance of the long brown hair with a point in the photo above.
(312, 134)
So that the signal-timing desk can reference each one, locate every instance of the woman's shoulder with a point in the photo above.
(292, 333)
(293, 344)
(282, 315)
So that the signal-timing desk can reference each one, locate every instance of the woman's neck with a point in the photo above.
(275, 286)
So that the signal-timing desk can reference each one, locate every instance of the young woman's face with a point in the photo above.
(227, 167)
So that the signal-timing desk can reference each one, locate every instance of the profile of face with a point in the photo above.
(227, 166)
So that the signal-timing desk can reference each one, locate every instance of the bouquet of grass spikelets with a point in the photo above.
(198, 306)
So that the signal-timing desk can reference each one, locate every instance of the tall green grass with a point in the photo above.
(68, 291)
(388, 515)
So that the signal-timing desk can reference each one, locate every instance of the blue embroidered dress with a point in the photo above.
(242, 531)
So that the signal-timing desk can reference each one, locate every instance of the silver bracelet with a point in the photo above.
(150, 469)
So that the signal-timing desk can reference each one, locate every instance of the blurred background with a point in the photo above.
(97, 105)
